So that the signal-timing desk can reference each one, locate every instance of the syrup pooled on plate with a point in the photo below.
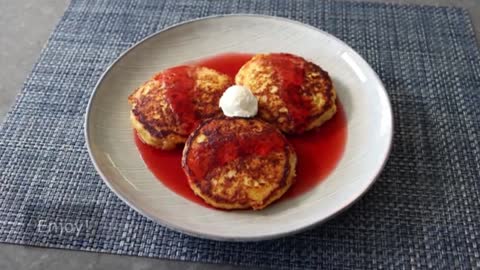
(318, 151)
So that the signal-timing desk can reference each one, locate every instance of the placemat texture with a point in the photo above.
(424, 211)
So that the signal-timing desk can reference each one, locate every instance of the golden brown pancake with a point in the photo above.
(238, 163)
(168, 107)
(293, 94)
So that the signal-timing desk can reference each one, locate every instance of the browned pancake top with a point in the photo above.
(176, 99)
(229, 159)
(292, 92)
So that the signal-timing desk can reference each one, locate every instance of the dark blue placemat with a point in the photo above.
(424, 211)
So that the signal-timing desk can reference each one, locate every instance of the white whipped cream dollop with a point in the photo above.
(238, 101)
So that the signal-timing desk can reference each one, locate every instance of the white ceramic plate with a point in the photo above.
(115, 156)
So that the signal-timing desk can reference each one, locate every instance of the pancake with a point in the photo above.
(168, 107)
(293, 94)
(238, 163)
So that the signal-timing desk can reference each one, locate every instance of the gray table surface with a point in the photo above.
(24, 28)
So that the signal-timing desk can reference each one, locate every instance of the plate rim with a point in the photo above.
(210, 236)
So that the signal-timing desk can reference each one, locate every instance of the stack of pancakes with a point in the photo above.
(230, 162)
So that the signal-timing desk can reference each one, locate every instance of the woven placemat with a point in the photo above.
(424, 211)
